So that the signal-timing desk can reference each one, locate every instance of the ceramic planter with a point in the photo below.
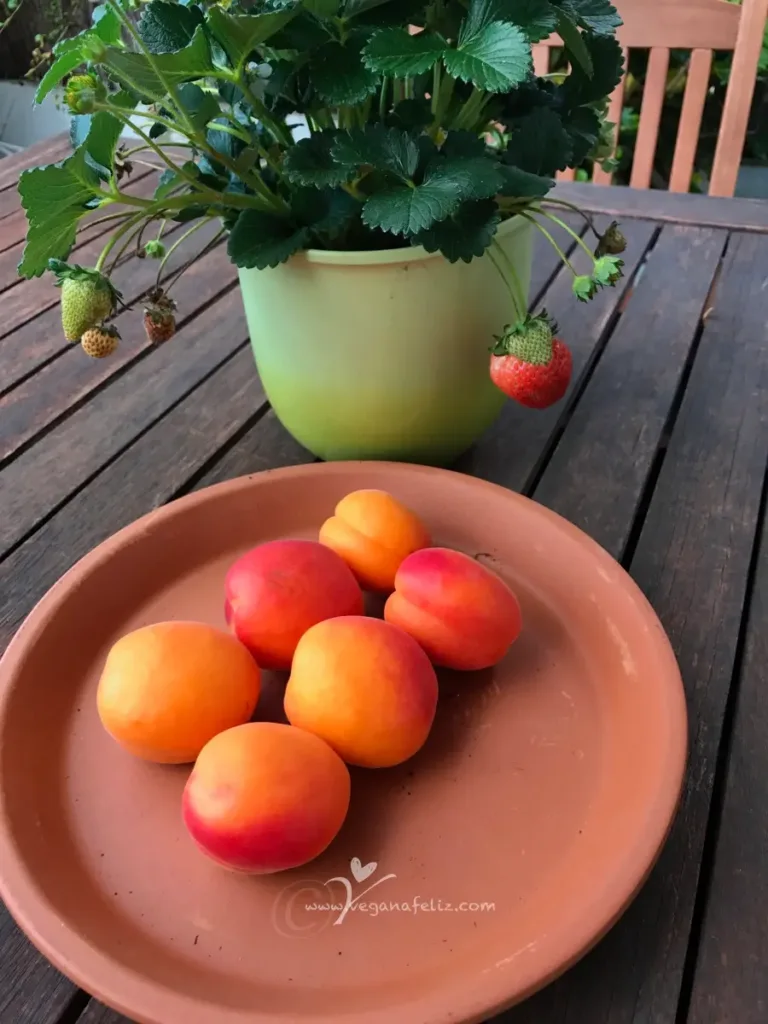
(383, 355)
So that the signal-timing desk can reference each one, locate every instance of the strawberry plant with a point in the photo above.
(332, 124)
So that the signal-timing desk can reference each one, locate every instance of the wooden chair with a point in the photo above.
(700, 26)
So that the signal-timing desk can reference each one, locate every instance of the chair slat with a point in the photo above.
(696, 88)
(540, 59)
(738, 99)
(615, 106)
(650, 117)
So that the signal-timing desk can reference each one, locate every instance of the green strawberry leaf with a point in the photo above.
(167, 27)
(312, 162)
(412, 114)
(477, 177)
(260, 240)
(583, 127)
(55, 198)
(327, 212)
(537, 18)
(495, 59)
(539, 143)
(574, 42)
(100, 133)
(462, 143)
(598, 16)
(201, 106)
(608, 67)
(322, 8)
(69, 53)
(240, 34)
(523, 184)
(376, 146)
(394, 51)
(135, 70)
(464, 235)
(339, 75)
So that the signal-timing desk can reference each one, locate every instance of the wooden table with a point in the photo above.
(659, 453)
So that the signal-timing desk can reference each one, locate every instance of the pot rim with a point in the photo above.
(379, 257)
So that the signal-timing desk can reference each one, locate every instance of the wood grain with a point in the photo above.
(499, 455)
(691, 560)
(613, 435)
(653, 204)
(696, 86)
(47, 151)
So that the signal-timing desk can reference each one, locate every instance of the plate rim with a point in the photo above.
(39, 922)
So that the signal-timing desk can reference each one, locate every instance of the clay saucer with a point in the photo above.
(464, 881)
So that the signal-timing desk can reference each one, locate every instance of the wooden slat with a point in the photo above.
(38, 993)
(95, 1013)
(42, 477)
(696, 87)
(48, 151)
(615, 107)
(497, 456)
(650, 117)
(691, 561)
(46, 396)
(655, 204)
(738, 98)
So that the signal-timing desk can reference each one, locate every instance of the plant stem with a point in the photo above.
(111, 216)
(115, 238)
(120, 114)
(551, 241)
(444, 98)
(574, 234)
(132, 236)
(144, 146)
(436, 73)
(383, 98)
(470, 112)
(195, 227)
(518, 314)
(515, 283)
(280, 130)
(168, 85)
(572, 206)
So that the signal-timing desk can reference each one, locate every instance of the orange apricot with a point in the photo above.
(373, 532)
(364, 687)
(264, 797)
(168, 688)
(463, 615)
(275, 592)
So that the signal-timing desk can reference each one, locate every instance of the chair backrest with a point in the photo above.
(700, 26)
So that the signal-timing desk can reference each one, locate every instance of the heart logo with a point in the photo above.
(362, 871)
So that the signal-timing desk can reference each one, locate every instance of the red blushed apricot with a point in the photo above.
(265, 797)
(463, 615)
(274, 593)
(373, 532)
(365, 687)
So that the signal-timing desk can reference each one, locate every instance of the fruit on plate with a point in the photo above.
(168, 688)
(462, 614)
(264, 797)
(373, 532)
(276, 591)
(365, 687)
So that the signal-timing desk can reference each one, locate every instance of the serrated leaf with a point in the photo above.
(65, 63)
(381, 13)
(166, 27)
(462, 143)
(537, 18)
(194, 61)
(598, 16)
(540, 144)
(478, 177)
(608, 67)
(104, 131)
(68, 52)
(201, 106)
(523, 184)
(325, 211)
(394, 51)
(106, 24)
(339, 75)
(495, 59)
(169, 180)
(583, 126)
(240, 34)
(465, 235)
(311, 162)
(376, 146)
(413, 114)
(574, 42)
(322, 8)
(260, 240)
(54, 198)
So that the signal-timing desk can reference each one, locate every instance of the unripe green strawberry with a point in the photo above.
(87, 298)
(82, 92)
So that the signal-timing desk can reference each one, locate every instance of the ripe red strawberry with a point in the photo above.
(530, 365)
(159, 319)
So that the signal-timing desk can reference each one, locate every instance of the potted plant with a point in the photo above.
(378, 167)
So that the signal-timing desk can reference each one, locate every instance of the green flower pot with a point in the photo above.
(383, 355)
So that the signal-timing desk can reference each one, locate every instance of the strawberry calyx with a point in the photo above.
(159, 305)
(74, 272)
(529, 340)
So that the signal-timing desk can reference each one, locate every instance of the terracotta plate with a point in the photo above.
(465, 879)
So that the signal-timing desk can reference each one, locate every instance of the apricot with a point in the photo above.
(264, 797)
(365, 687)
(167, 689)
(373, 532)
(276, 591)
(462, 614)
